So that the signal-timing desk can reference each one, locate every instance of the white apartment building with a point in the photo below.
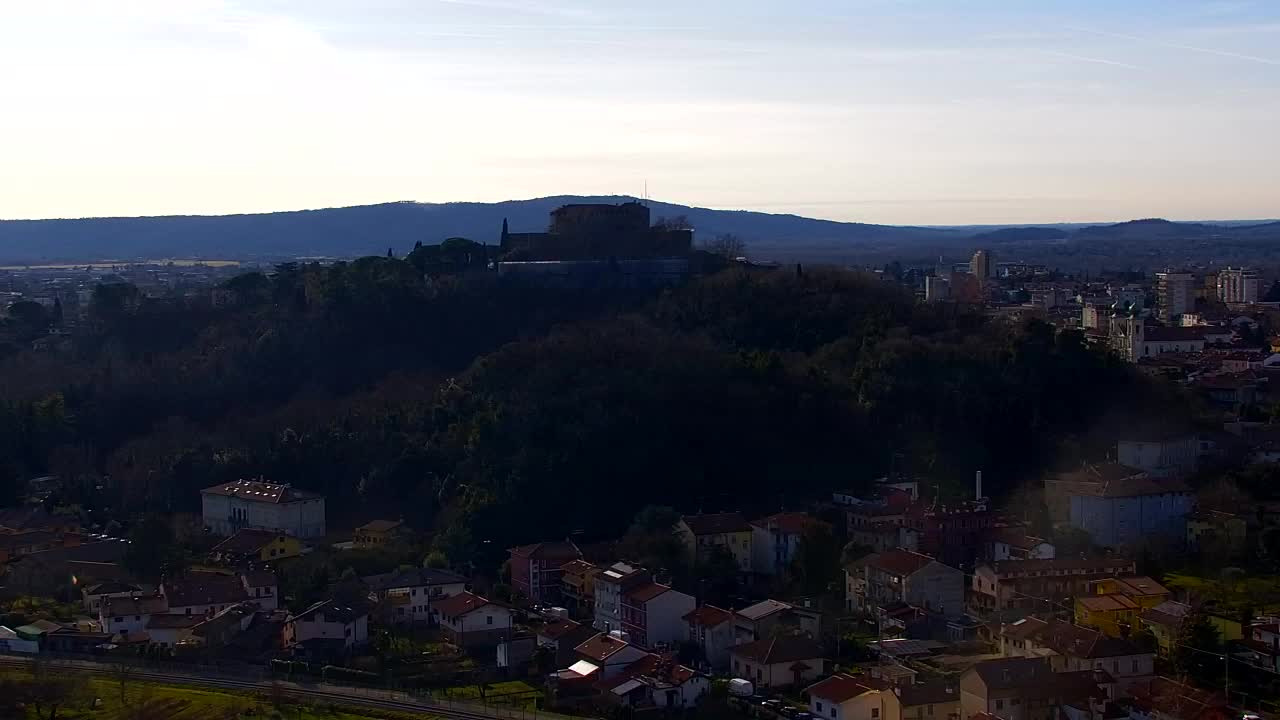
(263, 505)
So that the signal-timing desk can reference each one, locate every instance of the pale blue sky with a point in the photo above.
(896, 111)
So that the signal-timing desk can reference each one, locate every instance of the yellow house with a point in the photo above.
(257, 545)
(376, 534)
(1113, 614)
(703, 535)
(578, 587)
(1141, 589)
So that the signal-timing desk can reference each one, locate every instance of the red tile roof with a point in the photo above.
(897, 561)
(708, 616)
(780, 649)
(559, 550)
(716, 523)
(792, 523)
(839, 688)
(556, 630)
(460, 604)
(645, 593)
(600, 647)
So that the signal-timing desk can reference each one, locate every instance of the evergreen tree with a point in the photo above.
(1194, 644)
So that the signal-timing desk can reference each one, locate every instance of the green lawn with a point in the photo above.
(150, 701)
(512, 692)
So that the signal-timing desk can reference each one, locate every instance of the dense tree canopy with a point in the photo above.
(495, 415)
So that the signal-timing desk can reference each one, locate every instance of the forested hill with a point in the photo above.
(492, 415)
(372, 229)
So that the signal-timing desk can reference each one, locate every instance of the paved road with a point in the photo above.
(338, 695)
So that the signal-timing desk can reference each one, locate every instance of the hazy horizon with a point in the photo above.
(881, 111)
(809, 216)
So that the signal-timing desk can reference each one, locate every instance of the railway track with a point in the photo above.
(355, 697)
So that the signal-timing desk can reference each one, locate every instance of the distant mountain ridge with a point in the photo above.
(372, 229)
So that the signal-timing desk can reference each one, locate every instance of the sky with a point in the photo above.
(885, 111)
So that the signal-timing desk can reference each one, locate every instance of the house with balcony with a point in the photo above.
(536, 569)
(578, 587)
(1072, 648)
(775, 540)
(653, 615)
(902, 576)
(1015, 588)
(610, 585)
(1027, 689)
(771, 617)
(706, 534)
(407, 596)
(256, 504)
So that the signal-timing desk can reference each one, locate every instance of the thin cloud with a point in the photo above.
(1177, 46)
(1085, 58)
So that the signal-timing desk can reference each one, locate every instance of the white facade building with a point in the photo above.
(331, 620)
(262, 505)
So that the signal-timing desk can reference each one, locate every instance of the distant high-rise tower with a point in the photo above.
(1238, 285)
(1175, 294)
(982, 264)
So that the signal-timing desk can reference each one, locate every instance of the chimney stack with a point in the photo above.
(977, 486)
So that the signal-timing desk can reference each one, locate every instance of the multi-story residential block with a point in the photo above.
(1175, 294)
(1238, 285)
(653, 615)
(1073, 648)
(1119, 506)
(1026, 689)
(410, 596)
(1160, 455)
(902, 576)
(775, 540)
(711, 629)
(1017, 587)
(611, 584)
(704, 535)
(1115, 605)
(265, 506)
(536, 569)
(578, 587)
(931, 700)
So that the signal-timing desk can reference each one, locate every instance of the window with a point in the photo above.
(137, 617)
(999, 704)
(929, 710)
(875, 712)
(1016, 701)
(1115, 666)
(1135, 667)
(833, 712)
(817, 705)
(120, 619)
(488, 619)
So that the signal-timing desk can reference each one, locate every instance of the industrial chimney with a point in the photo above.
(977, 486)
